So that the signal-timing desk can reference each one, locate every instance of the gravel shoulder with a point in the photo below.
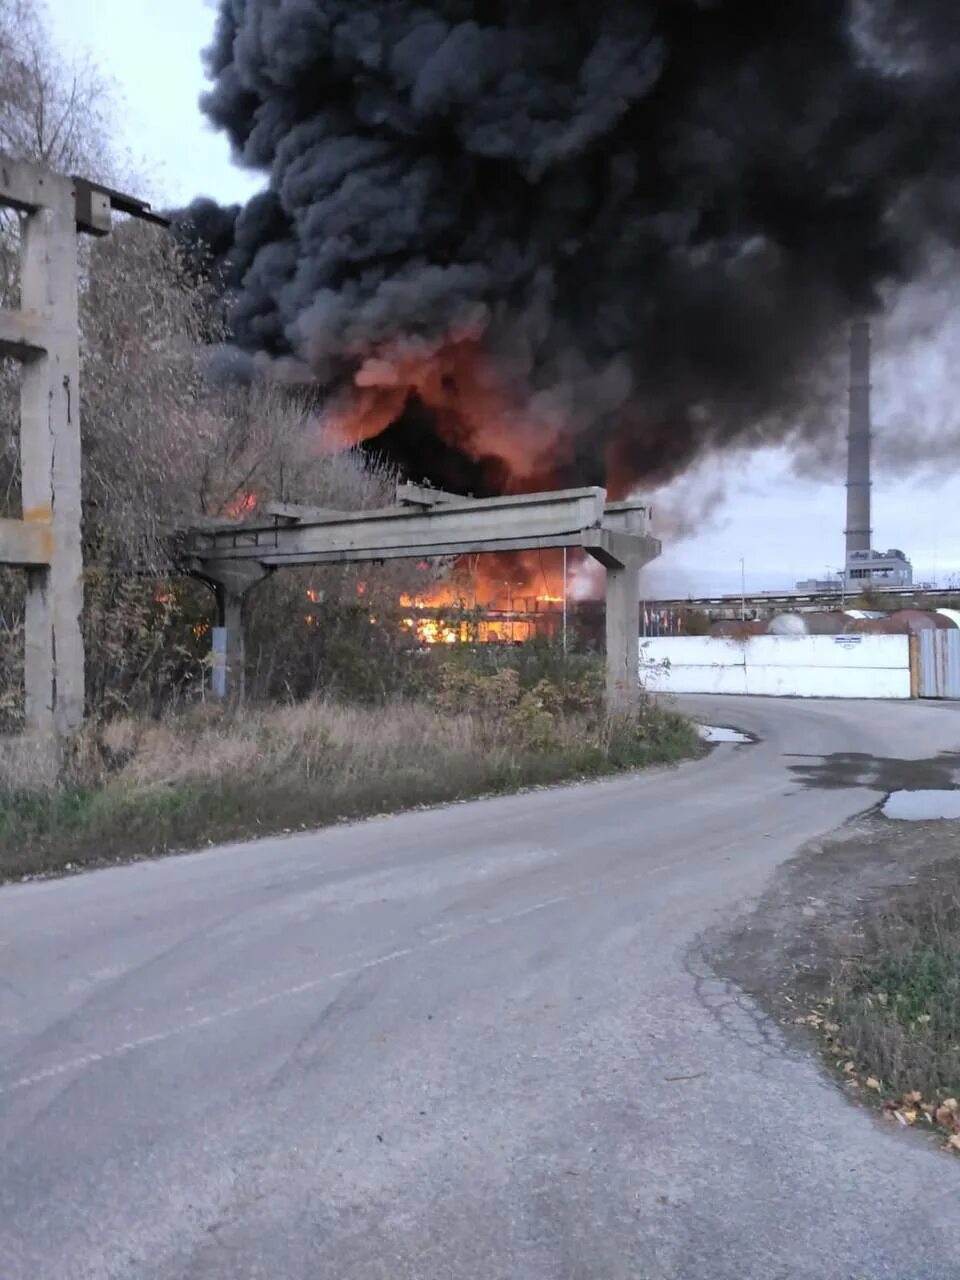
(780, 950)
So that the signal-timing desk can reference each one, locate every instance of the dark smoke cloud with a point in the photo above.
(207, 231)
(657, 215)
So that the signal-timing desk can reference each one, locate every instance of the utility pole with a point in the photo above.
(743, 592)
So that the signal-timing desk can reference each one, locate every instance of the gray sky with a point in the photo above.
(784, 528)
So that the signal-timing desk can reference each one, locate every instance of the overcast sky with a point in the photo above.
(754, 507)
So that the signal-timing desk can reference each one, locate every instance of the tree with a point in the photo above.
(164, 441)
(50, 110)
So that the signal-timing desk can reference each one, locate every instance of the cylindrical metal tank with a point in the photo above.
(910, 621)
(787, 624)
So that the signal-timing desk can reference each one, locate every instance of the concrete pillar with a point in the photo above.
(50, 462)
(623, 633)
(623, 552)
(228, 646)
(230, 584)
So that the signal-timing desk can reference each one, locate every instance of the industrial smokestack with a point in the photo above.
(859, 533)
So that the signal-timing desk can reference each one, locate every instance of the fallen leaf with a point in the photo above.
(924, 1017)
(951, 1104)
(882, 997)
(914, 1096)
(832, 1027)
(873, 1082)
(944, 1115)
(910, 1116)
(849, 1066)
(954, 1142)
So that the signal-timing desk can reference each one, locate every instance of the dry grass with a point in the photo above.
(28, 763)
(135, 787)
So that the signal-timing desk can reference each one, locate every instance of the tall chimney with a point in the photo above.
(859, 533)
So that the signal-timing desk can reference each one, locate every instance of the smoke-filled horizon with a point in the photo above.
(578, 243)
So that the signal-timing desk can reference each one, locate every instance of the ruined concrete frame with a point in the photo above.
(232, 557)
(44, 336)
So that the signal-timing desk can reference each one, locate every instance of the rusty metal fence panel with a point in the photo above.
(939, 664)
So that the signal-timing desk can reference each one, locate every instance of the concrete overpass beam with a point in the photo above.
(26, 544)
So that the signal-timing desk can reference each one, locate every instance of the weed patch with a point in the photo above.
(140, 787)
(891, 1021)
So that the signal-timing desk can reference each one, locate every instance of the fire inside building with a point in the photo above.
(513, 598)
(510, 607)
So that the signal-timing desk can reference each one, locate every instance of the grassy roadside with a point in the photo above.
(137, 787)
(890, 1024)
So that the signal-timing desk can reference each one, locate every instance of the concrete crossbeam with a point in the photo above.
(297, 513)
(25, 187)
(488, 525)
(26, 544)
(607, 546)
(407, 551)
(24, 335)
(627, 517)
(420, 495)
(615, 549)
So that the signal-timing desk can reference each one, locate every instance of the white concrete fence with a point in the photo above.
(846, 666)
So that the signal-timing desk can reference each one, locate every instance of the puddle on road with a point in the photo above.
(720, 733)
(922, 806)
(877, 773)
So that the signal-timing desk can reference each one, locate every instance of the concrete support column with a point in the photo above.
(623, 554)
(230, 585)
(228, 647)
(50, 462)
(623, 633)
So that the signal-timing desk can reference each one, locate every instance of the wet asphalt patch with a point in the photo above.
(845, 769)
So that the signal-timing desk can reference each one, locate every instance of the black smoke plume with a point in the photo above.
(654, 217)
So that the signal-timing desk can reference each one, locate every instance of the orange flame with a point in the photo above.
(239, 506)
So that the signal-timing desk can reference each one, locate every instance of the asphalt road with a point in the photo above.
(471, 1044)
